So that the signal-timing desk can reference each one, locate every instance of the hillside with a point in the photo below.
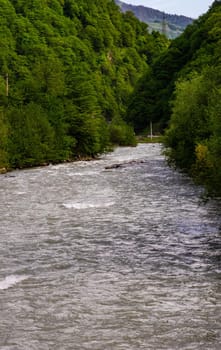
(182, 91)
(67, 69)
(175, 24)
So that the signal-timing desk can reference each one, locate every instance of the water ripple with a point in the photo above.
(127, 258)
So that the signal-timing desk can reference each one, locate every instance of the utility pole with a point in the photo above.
(151, 130)
(6, 84)
(164, 25)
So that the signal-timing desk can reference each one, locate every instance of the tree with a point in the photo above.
(4, 161)
(72, 66)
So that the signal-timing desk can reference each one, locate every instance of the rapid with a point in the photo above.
(95, 257)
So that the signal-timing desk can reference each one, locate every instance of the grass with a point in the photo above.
(148, 139)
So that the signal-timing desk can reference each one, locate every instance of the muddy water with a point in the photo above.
(108, 259)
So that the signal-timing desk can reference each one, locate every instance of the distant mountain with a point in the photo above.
(171, 25)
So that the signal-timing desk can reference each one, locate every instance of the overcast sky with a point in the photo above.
(190, 8)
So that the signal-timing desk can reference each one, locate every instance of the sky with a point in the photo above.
(190, 8)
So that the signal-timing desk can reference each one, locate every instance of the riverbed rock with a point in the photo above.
(124, 164)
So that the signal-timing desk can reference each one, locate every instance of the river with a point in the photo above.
(93, 258)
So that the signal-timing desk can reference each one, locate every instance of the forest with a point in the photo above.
(67, 70)
(78, 77)
(175, 24)
(181, 94)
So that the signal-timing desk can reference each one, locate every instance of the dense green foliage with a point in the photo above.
(76, 76)
(182, 91)
(194, 133)
(71, 67)
(192, 51)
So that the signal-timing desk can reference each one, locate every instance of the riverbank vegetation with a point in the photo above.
(77, 77)
(181, 92)
(67, 69)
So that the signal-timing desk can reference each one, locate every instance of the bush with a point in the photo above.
(121, 133)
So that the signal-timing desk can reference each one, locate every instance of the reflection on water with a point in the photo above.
(101, 259)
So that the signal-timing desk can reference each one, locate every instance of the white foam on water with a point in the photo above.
(11, 280)
(85, 173)
(85, 205)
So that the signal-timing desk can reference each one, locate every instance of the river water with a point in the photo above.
(108, 259)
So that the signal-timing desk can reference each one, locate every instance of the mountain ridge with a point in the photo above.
(175, 24)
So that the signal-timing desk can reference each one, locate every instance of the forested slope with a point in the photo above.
(175, 24)
(183, 89)
(67, 69)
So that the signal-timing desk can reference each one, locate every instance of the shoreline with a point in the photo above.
(140, 139)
